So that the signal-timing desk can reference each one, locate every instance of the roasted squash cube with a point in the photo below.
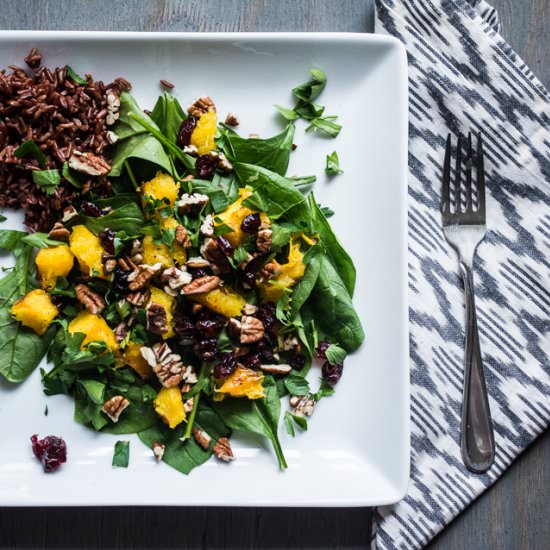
(244, 382)
(35, 310)
(168, 302)
(54, 262)
(233, 217)
(133, 358)
(95, 328)
(169, 406)
(88, 251)
(204, 133)
(222, 300)
(162, 186)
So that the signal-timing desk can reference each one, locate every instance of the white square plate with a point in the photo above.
(356, 451)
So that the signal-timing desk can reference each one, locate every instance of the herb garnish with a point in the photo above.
(121, 455)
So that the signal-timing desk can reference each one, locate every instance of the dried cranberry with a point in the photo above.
(297, 361)
(322, 349)
(206, 348)
(107, 238)
(251, 223)
(184, 328)
(265, 348)
(185, 131)
(209, 327)
(225, 246)
(120, 280)
(251, 361)
(332, 373)
(247, 280)
(197, 272)
(266, 314)
(51, 451)
(91, 209)
(225, 366)
(204, 167)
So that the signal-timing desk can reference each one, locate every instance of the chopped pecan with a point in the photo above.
(142, 275)
(269, 271)
(263, 240)
(302, 404)
(197, 262)
(138, 298)
(207, 226)
(59, 232)
(158, 450)
(126, 264)
(234, 328)
(222, 450)
(196, 309)
(231, 119)
(69, 212)
(202, 438)
(249, 309)
(224, 164)
(113, 407)
(188, 405)
(167, 366)
(192, 150)
(109, 262)
(157, 318)
(136, 253)
(202, 284)
(252, 329)
(88, 163)
(111, 137)
(291, 343)
(190, 375)
(276, 369)
(121, 331)
(192, 203)
(202, 105)
(174, 279)
(92, 301)
(182, 237)
(211, 251)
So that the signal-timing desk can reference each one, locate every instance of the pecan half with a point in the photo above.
(202, 438)
(192, 203)
(174, 279)
(88, 163)
(92, 301)
(201, 284)
(113, 407)
(157, 318)
(158, 450)
(167, 366)
(202, 105)
(142, 275)
(197, 262)
(59, 232)
(214, 254)
(182, 237)
(276, 369)
(138, 298)
(222, 450)
(252, 329)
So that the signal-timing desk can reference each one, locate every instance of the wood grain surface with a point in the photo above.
(513, 515)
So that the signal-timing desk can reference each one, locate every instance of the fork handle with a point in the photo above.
(477, 438)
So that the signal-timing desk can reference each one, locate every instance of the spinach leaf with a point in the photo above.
(21, 349)
(287, 114)
(291, 419)
(327, 212)
(73, 75)
(134, 140)
(306, 284)
(312, 89)
(71, 176)
(30, 149)
(3, 218)
(274, 194)
(332, 166)
(46, 180)
(40, 240)
(10, 239)
(272, 153)
(324, 390)
(184, 456)
(121, 456)
(325, 125)
(168, 115)
(128, 218)
(222, 191)
(335, 354)
(335, 251)
(256, 416)
(95, 390)
(296, 383)
(333, 309)
(309, 111)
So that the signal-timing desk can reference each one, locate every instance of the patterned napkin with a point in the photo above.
(463, 76)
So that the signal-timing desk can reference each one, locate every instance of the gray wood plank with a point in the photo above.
(513, 515)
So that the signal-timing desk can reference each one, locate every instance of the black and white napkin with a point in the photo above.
(464, 77)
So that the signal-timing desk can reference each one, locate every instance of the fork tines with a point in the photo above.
(463, 214)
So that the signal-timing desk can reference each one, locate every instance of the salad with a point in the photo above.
(186, 283)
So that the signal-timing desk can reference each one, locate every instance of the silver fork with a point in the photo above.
(464, 229)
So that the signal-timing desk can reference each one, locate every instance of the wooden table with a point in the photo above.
(513, 515)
